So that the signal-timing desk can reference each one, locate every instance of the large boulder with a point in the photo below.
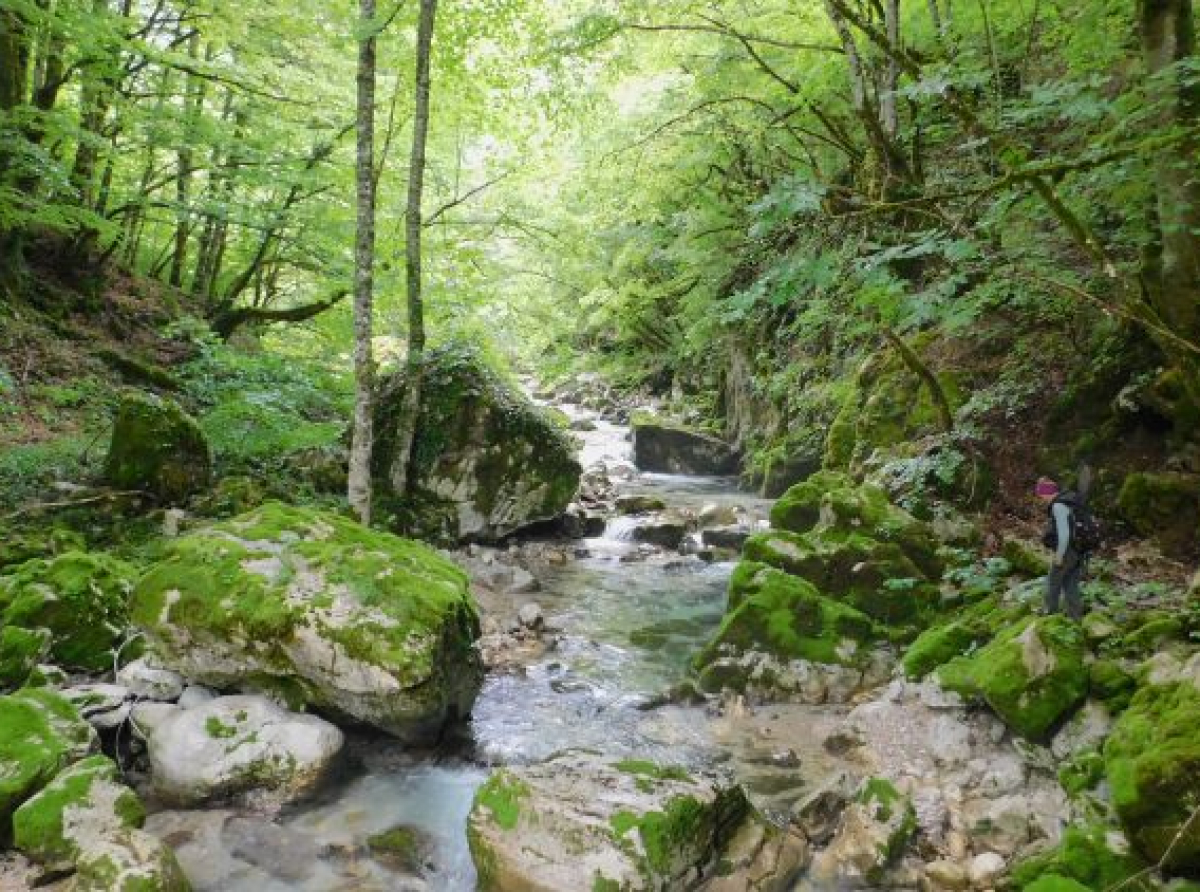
(1033, 674)
(40, 734)
(872, 576)
(157, 448)
(79, 597)
(787, 617)
(1153, 765)
(1164, 506)
(318, 611)
(581, 821)
(487, 461)
(835, 506)
(666, 447)
(241, 748)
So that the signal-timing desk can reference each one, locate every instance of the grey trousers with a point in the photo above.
(1063, 582)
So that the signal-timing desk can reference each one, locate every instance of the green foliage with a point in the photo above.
(259, 409)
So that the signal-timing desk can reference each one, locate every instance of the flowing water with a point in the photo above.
(628, 629)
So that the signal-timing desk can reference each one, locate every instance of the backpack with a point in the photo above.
(1085, 530)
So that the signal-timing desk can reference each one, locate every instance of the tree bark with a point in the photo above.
(403, 469)
(1168, 35)
(95, 96)
(359, 484)
(14, 59)
(194, 95)
(887, 97)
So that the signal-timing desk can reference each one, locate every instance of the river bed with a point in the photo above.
(627, 630)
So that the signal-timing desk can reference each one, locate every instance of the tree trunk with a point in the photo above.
(359, 484)
(194, 95)
(94, 98)
(14, 60)
(403, 470)
(887, 96)
(1168, 36)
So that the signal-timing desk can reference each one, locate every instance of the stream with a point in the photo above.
(627, 629)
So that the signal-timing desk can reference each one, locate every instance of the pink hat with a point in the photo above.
(1046, 487)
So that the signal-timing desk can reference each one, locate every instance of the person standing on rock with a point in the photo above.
(1070, 532)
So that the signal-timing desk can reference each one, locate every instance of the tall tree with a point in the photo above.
(359, 488)
(1168, 32)
(414, 222)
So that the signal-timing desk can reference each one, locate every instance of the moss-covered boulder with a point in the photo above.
(40, 734)
(487, 461)
(833, 505)
(967, 628)
(1032, 674)
(1094, 856)
(85, 802)
(157, 448)
(1153, 762)
(81, 598)
(774, 612)
(21, 650)
(319, 611)
(874, 577)
(86, 821)
(664, 446)
(1163, 506)
(582, 821)
(129, 861)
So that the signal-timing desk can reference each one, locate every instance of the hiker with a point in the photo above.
(1071, 533)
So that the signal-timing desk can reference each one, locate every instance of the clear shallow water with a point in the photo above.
(628, 631)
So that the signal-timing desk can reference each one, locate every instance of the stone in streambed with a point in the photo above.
(665, 531)
(581, 821)
(663, 446)
(40, 734)
(321, 612)
(240, 748)
(151, 682)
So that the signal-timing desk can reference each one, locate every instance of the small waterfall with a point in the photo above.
(620, 529)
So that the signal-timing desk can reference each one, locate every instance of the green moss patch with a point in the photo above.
(1153, 764)
(501, 795)
(40, 825)
(1032, 675)
(20, 652)
(40, 734)
(80, 597)
(1085, 857)
(781, 614)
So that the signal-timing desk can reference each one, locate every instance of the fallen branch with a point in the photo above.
(107, 496)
